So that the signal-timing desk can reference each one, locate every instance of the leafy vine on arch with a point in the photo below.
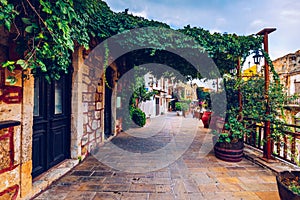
(47, 31)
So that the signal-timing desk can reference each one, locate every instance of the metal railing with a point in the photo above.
(285, 143)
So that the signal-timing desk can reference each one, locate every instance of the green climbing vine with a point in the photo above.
(47, 32)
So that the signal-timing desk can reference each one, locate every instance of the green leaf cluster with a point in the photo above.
(48, 32)
(254, 106)
(181, 106)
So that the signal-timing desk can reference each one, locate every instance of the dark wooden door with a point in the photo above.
(107, 104)
(157, 106)
(51, 123)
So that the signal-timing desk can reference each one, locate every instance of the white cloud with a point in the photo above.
(141, 14)
(256, 23)
(212, 31)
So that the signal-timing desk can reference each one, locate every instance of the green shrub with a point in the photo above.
(181, 106)
(138, 116)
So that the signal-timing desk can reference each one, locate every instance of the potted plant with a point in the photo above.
(229, 139)
(229, 145)
(288, 184)
(181, 107)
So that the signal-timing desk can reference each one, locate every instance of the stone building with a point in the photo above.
(159, 104)
(186, 91)
(47, 128)
(288, 68)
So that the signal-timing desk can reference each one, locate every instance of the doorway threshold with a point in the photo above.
(44, 180)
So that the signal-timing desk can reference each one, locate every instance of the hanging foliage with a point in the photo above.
(47, 32)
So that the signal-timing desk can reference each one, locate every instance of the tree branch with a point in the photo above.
(33, 8)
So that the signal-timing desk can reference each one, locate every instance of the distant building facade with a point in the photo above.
(288, 69)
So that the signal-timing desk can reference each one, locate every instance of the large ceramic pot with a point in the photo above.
(284, 192)
(230, 152)
(206, 118)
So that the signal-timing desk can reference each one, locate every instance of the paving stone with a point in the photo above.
(116, 188)
(102, 173)
(208, 188)
(268, 179)
(116, 180)
(203, 178)
(162, 174)
(96, 188)
(161, 197)
(135, 196)
(228, 180)
(179, 189)
(107, 196)
(218, 169)
(196, 196)
(100, 168)
(76, 186)
(194, 176)
(69, 179)
(91, 181)
(190, 186)
(268, 195)
(251, 179)
(218, 195)
(218, 174)
(143, 188)
(80, 195)
(163, 188)
(245, 195)
(161, 181)
(54, 194)
(260, 186)
(81, 173)
(230, 187)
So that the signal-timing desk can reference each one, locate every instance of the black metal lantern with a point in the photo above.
(257, 57)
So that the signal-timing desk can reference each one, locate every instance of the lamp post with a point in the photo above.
(267, 133)
(239, 75)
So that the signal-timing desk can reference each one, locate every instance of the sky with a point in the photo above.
(243, 17)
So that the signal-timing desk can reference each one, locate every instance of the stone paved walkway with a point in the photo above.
(141, 168)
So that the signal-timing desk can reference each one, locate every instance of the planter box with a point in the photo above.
(284, 192)
(229, 152)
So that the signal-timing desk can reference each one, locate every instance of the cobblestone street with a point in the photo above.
(192, 174)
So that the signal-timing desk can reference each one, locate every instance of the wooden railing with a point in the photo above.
(285, 146)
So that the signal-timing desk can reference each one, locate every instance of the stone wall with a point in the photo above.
(93, 103)
(87, 121)
(93, 108)
(16, 103)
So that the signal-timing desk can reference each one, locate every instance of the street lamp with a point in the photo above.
(267, 130)
(257, 57)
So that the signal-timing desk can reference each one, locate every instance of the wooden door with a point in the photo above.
(51, 123)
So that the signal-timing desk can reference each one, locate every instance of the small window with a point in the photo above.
(36, 104)
(297, 87)
(58, 97)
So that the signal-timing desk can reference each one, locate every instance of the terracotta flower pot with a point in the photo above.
(206, 118)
